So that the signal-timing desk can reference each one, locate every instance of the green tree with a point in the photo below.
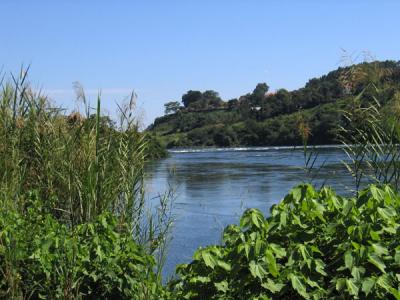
(191, 97)
(261, 89)
(212, 99)
(258, 94)
(171, 107)
(233, 103)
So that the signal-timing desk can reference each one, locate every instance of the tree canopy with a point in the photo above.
(263, 117)
(171, 107)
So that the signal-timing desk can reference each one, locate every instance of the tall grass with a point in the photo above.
(370, 129)
(310, 153)
(81, 164)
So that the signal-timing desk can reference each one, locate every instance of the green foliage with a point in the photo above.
(88, 171)
(41, 258)
(196, 100)
(154, 149)
(218, 135)
(259, 94)
(81, 164)
(172, 107)
(261, 118)
(370, 136)
(191, 97)
(314, 245)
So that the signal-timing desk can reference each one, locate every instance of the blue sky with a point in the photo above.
(161, 49)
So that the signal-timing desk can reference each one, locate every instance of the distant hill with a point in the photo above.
(262, 118)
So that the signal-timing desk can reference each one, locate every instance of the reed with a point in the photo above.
(370, 130)
(81, 164)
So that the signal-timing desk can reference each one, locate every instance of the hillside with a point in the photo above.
(280, 118)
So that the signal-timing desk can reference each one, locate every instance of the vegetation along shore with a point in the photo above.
(75, 222)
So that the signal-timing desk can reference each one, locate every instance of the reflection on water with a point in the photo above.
(215, 187)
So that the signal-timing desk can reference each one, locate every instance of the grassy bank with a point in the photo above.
(89, 210)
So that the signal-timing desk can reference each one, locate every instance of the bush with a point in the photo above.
(41, 258)
(314, 245)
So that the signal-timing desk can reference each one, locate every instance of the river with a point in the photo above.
(214, 186)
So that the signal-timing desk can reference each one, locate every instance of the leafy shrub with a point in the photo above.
(41, 258)
(314, 245)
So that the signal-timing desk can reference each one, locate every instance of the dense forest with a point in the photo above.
(282, 117)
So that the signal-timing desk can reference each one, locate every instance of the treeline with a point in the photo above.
(263, 117)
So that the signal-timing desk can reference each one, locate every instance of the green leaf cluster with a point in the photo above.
(41, 258)
(314, 245)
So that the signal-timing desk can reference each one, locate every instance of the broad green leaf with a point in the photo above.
(340, 284)
(356, 246)
(272, 286)
(335, 202)
(270, 260)
(376, 192)
(387, 212)
(357, 272)
(380, 250)
(296, 220)
(282, 220)
(377, 261)
(200, 279)
(245, 219)
(46, 244)
(224, 265)
(278, 250)
(305, 254)
(247, 249)
(296, 193)
(320, 267)
(352, 287)
(257, 218)
(258, 246)
(390, 229)
(253, 236)
(257, 270)
(385, 282)
(315, 249)
(103, 221)
(367, 285)
(221, 286)
(397, 257)
(99, 252)
(363, 198)
(208, 259)
(348, 205)
(374, 235)
(348, 259)
(312, 283)
(395, 293)
(319, 211)
(310, 192)
(298, 286)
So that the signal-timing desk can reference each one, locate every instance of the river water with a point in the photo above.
(214, 186)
